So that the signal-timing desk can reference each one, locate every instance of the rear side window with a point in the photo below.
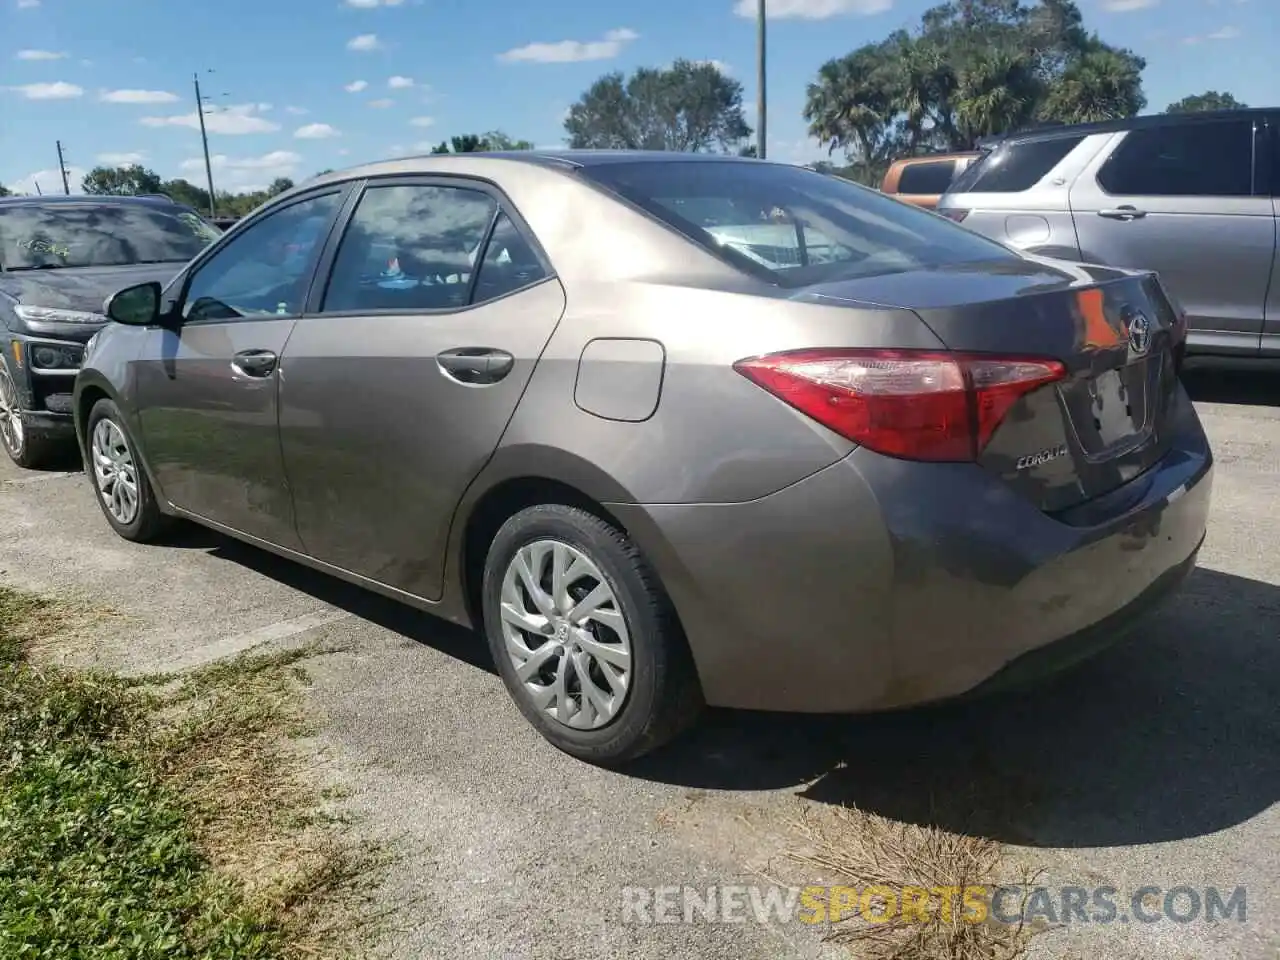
(788, 225)
(930, 177)
(1014, 167)
(1191, 160)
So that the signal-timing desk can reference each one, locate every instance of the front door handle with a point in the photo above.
(1125, 212)
(254, 363)
(476, 365)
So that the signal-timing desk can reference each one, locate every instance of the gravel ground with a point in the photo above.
(1154, 764)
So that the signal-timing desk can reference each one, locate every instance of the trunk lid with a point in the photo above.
(1106, 421)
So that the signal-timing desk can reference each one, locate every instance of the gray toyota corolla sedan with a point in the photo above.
(670, 429)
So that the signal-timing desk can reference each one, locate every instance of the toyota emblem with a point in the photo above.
(1139, 333)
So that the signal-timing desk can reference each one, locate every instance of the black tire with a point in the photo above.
(148, 522)
(31, 452)
(663, 697)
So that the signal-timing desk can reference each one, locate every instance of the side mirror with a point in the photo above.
(136, 306)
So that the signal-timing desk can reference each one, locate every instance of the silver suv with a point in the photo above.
(1192, 196)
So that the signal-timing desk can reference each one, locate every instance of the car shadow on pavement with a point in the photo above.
(1169, 735)
(1236, 386)
(455, 641)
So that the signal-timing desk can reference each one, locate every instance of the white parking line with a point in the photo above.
(240, 642)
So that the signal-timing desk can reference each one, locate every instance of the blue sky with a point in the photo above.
(301, 85)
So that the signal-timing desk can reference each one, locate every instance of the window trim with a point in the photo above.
(503, 205)
(341, 189)
(1126, 134)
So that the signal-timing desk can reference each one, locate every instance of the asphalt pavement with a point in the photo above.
(1154, 764)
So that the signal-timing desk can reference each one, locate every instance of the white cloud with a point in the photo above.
(58, 90)
(246, 173)
(1127, 6)
(297, 111)
(316, 131)
(39, 55)
(370, 4)
(573, 51)
(264, 107)
(811, 9)
(400, 83)
(381, 104)
(48, 181)
(1225, 33)
(233, 120)
(137, 96)
(28, 4)
(121, 159)
(422, 121)
(355, 86)
(364, 43)
(718, 64)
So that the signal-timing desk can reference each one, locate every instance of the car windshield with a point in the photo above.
(46, 236)
(791, 225)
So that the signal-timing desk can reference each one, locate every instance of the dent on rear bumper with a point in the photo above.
(876, 584)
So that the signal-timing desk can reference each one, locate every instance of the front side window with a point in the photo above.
(791, 225)
(49, 236)
(410, 247)
(265, 269)
(926, 178)
(1183, 160)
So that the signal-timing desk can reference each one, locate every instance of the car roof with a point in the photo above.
(1116, 126)
(553, 159)
(60, 199)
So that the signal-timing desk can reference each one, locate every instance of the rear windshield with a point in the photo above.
(1012, 168)
(36, 236)
(790, 225)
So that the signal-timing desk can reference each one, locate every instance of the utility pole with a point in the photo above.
(761, 96)
(62, 166)
(204, 139)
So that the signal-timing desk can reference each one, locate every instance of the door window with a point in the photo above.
(410, 247)
(932, 177)
(1014, 167)
(265, 270)
(1187, 160)
(510, 263)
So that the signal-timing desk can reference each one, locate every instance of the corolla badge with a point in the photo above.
(1044, 456)
(1139, 333)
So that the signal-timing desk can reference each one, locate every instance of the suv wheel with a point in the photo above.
(119, 481)
(584, 637)
(23, 449)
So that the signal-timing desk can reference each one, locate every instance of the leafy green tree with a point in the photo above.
(1209, 100)
(5, 191)
(129, 181)
(279, 185)
(497, 140)
(183, 191)
(692, 107)
(970, 69)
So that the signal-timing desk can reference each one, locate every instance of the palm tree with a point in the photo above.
(1102, 84)
(997, 91)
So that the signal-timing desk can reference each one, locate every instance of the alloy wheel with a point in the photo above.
(11, 431)
(114, 471)
(566, 635)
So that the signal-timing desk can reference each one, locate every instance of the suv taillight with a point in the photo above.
(911, 404)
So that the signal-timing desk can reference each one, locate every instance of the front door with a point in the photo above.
(1182, 200)
(397, 391)
(208, 388)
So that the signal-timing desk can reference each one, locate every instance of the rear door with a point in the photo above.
(402, 377)
(1183, 199)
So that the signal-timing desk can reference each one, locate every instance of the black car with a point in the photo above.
(60, 258)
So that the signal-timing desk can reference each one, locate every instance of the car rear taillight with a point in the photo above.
(911, 404)
(953, 214)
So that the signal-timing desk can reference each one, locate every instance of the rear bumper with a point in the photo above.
(876, 584)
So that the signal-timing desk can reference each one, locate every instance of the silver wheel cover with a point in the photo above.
(11, 431)
(114, 472)
(566, 636)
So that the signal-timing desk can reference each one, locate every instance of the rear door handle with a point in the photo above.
(1125, 212)
(476, 365)
(254, 363)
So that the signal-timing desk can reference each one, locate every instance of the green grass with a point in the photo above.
(162, 819)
